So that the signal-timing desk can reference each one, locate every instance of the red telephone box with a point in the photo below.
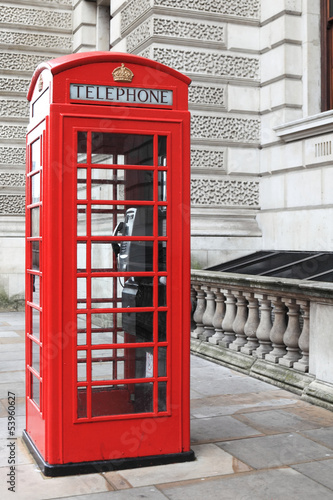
(108, 264)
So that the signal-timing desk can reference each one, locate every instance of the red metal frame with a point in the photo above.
(55, 427)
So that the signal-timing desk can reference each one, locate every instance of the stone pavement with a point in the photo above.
(252, 441)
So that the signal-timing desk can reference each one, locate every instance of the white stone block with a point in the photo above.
(272, 192)
(115, 31)
(243, 98)
(85, 39)
(243, 160)
(327, 185)
(287, 27)
(246, 37)
(121, 46)
(303, 188)
(84, 13)
(270, 8)
(277, 94)
(303, 230)
(116, 5)
(283, 60)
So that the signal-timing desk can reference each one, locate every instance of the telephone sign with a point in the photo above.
(125, 95)
(107, 264)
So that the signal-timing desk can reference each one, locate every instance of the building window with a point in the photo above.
(327, 54)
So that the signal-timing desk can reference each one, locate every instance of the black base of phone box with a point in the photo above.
(71, 469)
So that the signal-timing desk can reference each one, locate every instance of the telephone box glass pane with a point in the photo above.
(105, 218)
(135, 256)
(35, 289)
(36, 323)
(162, 386)
(107, 328)
(81, 366)
(81, 184)
(81, 293)
(122, 399)
(35, 222)
(35, 353)
(102, 256)
(82, 147)
(81, 402)
(162, 249)
(82, 220)
(162, 286)
(35, 188)
(35, 155)
(162, 326)
(162, 221)
(121, 149)
(81, 329)
(120, 364)
(118, 184)
(35, 390)
(162, 186)
(138, 326)
(35, 255)
(162, 361)
(162, 151)
(81, 257)
(109, 292)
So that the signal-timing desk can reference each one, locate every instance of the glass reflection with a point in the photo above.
(82, 147)
(122, 149)
(35, 188)
(35, 155)
(122, 399)
(118, 184)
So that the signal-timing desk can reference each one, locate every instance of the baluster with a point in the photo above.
(264, 328)
(199, 311)
(303, 341)
(193, 307)
(292, 334)
(239, 323)
(228, 320)
(218, 317)
(207, 318)
(251, 325)
(277, 331)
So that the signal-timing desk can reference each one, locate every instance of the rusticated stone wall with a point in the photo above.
(31, 32)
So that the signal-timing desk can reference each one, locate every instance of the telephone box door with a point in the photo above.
(122, 276)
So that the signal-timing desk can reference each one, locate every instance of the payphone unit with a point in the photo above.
(108, 265)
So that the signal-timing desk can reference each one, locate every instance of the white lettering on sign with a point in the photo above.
(103, 93)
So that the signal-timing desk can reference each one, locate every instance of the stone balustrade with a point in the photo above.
(278, 330)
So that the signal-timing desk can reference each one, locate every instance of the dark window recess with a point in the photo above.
(316, 266)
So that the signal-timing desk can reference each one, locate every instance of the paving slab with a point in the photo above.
(146, 493)
(206, 430)
(215, 406)
(320, 471)
(279, 484)
(32, 485)
(322, 436)
(210, 461)
(275, 421)
(275, 451)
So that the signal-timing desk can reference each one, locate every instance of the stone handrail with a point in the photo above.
(276, 329)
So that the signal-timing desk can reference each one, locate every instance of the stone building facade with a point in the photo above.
(261, 149)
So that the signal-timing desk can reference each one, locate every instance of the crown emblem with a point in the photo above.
(122, 74)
